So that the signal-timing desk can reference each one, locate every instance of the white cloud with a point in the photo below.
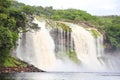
(92, 6)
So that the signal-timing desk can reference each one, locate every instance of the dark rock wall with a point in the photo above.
(62, 39)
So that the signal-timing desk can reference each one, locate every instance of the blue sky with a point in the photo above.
(94, 7)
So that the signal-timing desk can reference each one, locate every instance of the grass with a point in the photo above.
(12, 62)
(95, 33)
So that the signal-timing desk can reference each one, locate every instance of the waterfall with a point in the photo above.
(61, 47)
(37, 48)
(88, 49)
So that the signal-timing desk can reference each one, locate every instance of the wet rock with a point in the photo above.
(29, 68)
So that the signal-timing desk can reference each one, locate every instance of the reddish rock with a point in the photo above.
(29, 68)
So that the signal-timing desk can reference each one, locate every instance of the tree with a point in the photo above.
(10, 23)
(4, 5)
(28, 9)
(113, 33)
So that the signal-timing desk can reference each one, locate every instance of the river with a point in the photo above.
(62, 76)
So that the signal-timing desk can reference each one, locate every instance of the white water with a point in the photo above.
(38, 48)
(86, 49)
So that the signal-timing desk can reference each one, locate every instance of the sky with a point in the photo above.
(94, 7)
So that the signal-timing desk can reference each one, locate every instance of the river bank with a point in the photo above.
(14, 65)
(28, 68)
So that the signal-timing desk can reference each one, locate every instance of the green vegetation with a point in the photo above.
(71, 14)
(112, 30)
(68, 54)
(12, 62)
(7, 35)
(63, 26)
(49, 12)
(12, 21)
(54, 24)
(110, 26)
(94, 32)
(72, 55)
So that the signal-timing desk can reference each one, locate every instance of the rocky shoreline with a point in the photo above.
(29, 68)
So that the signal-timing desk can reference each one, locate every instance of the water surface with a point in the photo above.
(62, 76)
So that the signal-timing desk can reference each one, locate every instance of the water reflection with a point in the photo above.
(6, 77)
(61, 76)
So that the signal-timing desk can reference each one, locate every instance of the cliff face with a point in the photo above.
(63, 40)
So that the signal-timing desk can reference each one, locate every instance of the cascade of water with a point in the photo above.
(85, 47)
(63, 40)
(99, 46)
(37, 48)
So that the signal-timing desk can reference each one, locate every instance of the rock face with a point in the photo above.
(63, 40)
(29, 68)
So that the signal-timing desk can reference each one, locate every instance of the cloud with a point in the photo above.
(92, 6)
